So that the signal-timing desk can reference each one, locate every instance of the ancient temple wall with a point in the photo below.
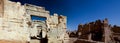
(1, 12)
(62, 22)
(1, 8)
(12, 24)
(56, 25)
(36, 11)
(52, 21)
(15, 22)
(57, 33)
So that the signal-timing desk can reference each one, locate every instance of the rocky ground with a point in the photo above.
(72, 40)
(75, 40)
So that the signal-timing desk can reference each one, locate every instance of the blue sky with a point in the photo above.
(81, 11)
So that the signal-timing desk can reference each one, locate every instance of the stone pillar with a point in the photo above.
(90, 35)
(107, 32)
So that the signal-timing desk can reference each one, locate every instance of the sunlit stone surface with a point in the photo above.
(16, 24)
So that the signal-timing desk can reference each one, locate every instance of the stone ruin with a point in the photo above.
(98, 32)
(16, 25)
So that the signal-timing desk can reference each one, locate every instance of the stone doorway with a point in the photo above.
(97, 35)
(39, 28)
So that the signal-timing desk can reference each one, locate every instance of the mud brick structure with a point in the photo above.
(99, 31)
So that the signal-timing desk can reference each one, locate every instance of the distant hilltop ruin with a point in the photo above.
(16, 25)
(99, 31)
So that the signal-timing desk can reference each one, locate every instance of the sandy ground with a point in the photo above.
(6, 41)
(72, 40)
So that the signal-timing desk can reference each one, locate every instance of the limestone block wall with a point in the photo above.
(1, 8)
(15, 22)
(36, 10)
(57, 29)
(56, 25)
(13, 26)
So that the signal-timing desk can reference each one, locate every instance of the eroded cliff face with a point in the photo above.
(16, 23)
